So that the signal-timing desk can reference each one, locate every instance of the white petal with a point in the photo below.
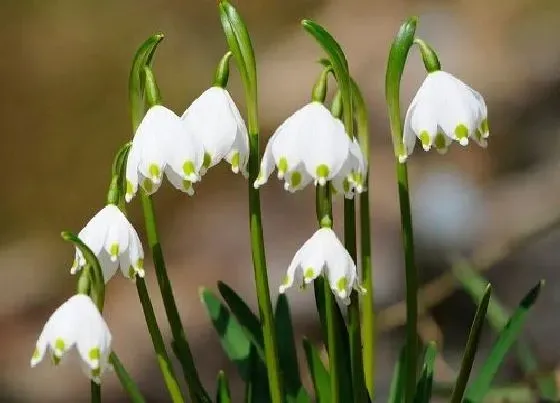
(292, 274)
(131, 172)
(424, 121)
(409, 136)
(116, 241)
(136, 253)
(297, 179)
(286, 144)
(178, 182)
(186, 154)
(312, 260)
(267, 164)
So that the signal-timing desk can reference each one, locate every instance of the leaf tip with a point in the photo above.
(531, 297)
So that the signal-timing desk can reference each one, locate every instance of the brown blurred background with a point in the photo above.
(64, 114)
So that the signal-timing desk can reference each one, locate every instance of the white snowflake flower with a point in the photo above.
(353, 174)
(113, 239)
(161, 146)
(77, 322)
(311, 145)
(445, 109)
(323, 253)
(214, 120)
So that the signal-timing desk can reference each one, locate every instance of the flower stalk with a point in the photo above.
(397, 60)
(241, 47)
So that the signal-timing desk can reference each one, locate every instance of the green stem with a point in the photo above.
(180, 344)
(159, 347)
(239, 43)
(411, 282)
(395, 67)
(354, 330)
(324, 218)
(95, 392)
(127, 382)
(368, 313)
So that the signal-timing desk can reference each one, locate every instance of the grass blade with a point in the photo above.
(424, 388)
(319, 374)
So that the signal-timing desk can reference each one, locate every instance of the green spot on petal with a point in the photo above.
(114, 250)
(322, 171)
(129, 188)
(59, 346)
(461, 131)
(188, 168)
(207, 160)
(95, 373)
(341, 284)
(425, 139)
(282, 165)
(296, 179)
(140, 263)
(286, 280)
(439, 141)
(94, 354)
(154, 171)
(36, 354)
(187, 184)
(309, 273)
(346, 185)
(148, 185)
(131, 272)
(484, 126)
(235, 160)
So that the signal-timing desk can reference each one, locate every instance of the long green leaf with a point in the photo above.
(319, 374)
(497, 316)
(256, 386)
(247, 319)
(222, 393)
(424, 388)
(126, 381)
(481, 384)
(471, 347)
(396, 391)
(287, 354)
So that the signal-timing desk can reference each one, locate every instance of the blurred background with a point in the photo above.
(64, 114)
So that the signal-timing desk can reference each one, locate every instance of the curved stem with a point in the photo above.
(159, 346)
(395, 67)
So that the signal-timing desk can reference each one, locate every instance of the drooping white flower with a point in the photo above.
(214, 120)
(310, 145)
(162, 146)
(323, 253)
(445, 109)
(353, 174)
(77, 322)
(113, 239)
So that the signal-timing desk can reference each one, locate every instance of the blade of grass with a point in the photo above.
(319, 374)
(424, 388)
(396, 392)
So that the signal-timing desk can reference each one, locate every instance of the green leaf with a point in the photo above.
(319, 374)
(396, 391)
(256, 387)
(287, 354)
(481, 384)
(144, 56)
(497, 316)
(98, 278)
(234, 341)
(471, 347)
(247, 319)
(222, 393)
(424, 387)
(126, 381)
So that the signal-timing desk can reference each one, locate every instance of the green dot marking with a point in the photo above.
(59, 346)
(341, 284)
(147, 185)
(188, 168)
(235, 160)
(282, 165)
(154, 171)
(296, 179)
(114, 250)
(322, 171)
(425, 138)
(440, 141)
(309, 273)
(461, 131)
(207, 160)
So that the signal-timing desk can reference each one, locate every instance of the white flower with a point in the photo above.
(162, 145)
(113, 239)
(445, 109)
(214, 120)
(76, 322)
(351, 177)
(310, 145)
(324, 254)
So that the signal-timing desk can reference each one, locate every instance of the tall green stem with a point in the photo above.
(95, 392)
(397, 60)
(159, 346)
(368, 313)
(240, 45)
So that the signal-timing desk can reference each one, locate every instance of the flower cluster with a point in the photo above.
(313, 146)
(183, 148)
(444, 109)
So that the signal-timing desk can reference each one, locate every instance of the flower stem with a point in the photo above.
(180, 344)
(395, 67)
(324, 218)
(127, 382)
(239, 43)
(368, 314)
(95, 392)
(163, 359)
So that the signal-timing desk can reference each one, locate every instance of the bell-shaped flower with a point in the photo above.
(161, 145)
(113, 239)
(214, 120)
(311, 145)
(353, 174)
(444, 109)
(323, 253)
(77, 322)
